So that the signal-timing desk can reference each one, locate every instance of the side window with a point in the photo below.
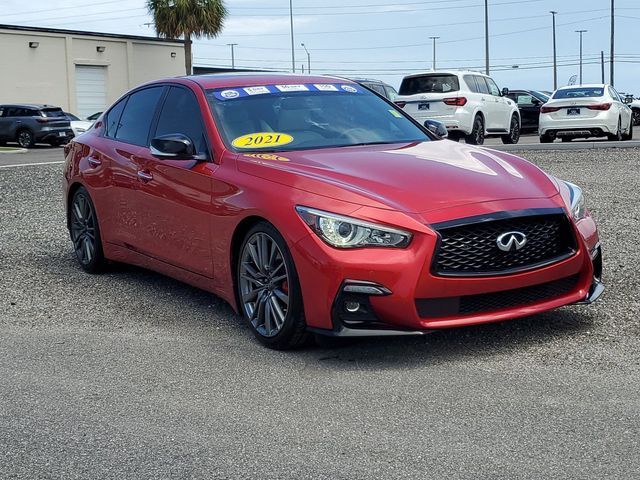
(524, 99)
(391, 93)
(1, 111)
(482, 84)
(615, 95)
(138, 115)
(470, 80)
(181, 114)
(379, 89)
(112, 118)
(493, 88)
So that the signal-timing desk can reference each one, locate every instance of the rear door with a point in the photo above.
(424, 95)
(175, 195)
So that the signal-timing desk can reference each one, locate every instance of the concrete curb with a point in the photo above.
(565, 146)
(13, 151)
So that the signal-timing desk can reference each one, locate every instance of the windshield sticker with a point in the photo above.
(395, 113)
(262, 140)
(241, 92)
(256, 90)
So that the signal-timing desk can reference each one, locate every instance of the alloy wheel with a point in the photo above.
(264, 284)
(83, 229)
(25, 139)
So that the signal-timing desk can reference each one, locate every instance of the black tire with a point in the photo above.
(25, 138)
(85, 232)
(476, 137)
(616, 137)
(629, 134)
(261, 290)
(636, 116)
(546, 138)
(514, 132)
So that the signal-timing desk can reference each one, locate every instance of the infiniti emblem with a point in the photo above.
(511, 241)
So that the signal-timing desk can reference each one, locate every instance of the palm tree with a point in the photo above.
(187, 18)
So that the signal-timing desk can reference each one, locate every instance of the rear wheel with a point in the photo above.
(616, 137)
(85, 232)
(269, 293)
(25, 138)
(476, 137)
(629, 134)
(514, 132)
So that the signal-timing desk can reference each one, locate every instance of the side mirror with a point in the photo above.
(437, 128)
(174, 146)
(505, 91)
(628, 100)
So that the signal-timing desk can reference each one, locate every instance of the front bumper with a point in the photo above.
(62, 136)
(405, 273)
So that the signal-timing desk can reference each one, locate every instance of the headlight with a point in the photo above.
(347, 232)
(577, 205)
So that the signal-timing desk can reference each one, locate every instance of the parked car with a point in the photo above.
(94, 116)
(28, 124)
(312, 205)
(78, 126)
(634, 105)
(378, 86)
(529, 103)
(584, 111)
(470, 104)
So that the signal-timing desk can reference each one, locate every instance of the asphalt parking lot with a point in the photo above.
(133, 375)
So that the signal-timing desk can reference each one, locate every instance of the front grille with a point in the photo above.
(488, 302)
(471, 249)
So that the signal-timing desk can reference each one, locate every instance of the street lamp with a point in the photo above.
(581, 32)
(486, 36)
(555, 63)
(293, 53)
(434, 51)
(308, 58)
(233, 60)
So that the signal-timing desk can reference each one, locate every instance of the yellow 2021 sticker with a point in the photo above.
(262, 139)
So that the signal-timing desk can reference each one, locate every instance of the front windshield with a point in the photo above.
(580, 92)
(293, 117)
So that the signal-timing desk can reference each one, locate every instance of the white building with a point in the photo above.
(82, 72)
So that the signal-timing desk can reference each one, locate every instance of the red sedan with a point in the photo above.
(311, 204)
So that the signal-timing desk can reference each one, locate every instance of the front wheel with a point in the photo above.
(476, 137)
(514, 132)
(269, 293)
(636, 116)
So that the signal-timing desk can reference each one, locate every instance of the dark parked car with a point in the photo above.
(28, 124)
(379, 87)
(529, 103)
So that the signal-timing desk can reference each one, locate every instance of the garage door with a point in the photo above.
(91, 89)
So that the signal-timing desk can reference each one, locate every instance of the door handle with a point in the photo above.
(144, 176)
(94, 162)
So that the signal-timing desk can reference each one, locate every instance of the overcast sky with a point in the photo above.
(385, 39)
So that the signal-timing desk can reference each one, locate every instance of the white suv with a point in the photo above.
(470, 105)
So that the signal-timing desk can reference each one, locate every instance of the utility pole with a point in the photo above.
(486, 36)
(308, 58)
(233, 59)
(602, 64)
(555, 62)
(581, 32)
(612, 42)
(293, 53)
(434, 51)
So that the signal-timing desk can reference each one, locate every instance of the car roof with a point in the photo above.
(585, 85)
(237, 79)
(36, 106)
(446, 72)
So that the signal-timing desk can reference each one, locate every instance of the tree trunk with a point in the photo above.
(188, 59)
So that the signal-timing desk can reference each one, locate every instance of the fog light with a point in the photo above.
(352, 307)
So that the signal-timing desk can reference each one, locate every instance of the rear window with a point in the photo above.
(580, 92)
(52, 112)
(429, 84)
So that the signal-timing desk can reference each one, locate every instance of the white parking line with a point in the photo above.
(30, 164)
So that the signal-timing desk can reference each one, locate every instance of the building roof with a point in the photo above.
(89, 34)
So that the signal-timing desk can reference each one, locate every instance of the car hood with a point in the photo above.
(413, 178)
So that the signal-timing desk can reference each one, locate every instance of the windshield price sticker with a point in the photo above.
(242, 92)
(262, 140)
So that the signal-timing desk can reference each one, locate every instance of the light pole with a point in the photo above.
(555, 63)
(434, 51)
(233, 60)
(308, 58)
(486, 36)
(293, 53)
(612, 42)
(581, 32)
